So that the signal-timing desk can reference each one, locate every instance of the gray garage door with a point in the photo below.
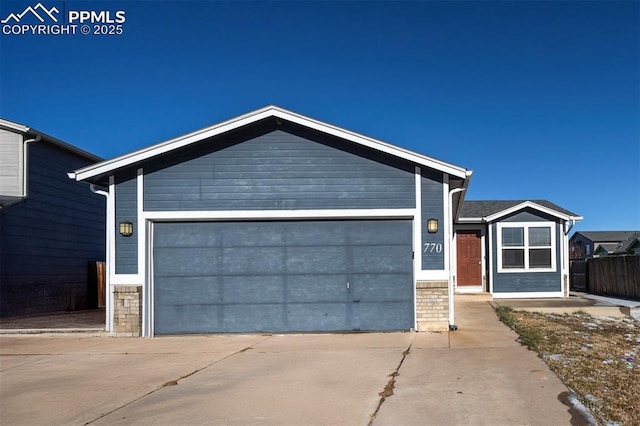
(282, 276)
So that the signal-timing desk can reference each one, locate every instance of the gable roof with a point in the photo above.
(489, 210)
(109, 166)
(14, 127)
(607, 236)
(628, 244)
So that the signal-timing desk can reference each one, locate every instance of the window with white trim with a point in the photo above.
(526, 247)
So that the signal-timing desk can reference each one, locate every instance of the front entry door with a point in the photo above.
(469, 258)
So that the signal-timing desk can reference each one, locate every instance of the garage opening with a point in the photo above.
(282, 276)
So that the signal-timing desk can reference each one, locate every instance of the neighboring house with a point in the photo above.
(586, 244)
(513, 248)
(276, 222)
(50, 227)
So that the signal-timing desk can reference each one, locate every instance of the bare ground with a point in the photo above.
(597, 358)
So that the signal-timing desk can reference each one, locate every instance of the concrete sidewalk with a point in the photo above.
(476, 375)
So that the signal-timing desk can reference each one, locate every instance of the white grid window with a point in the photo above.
(526, 247)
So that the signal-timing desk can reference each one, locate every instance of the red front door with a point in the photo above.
(469, 258)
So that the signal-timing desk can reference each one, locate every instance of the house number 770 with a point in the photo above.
(432, 247)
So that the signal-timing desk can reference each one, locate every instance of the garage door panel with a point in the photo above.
(318, 316)
(316, 234)
(317, 260)
(192, 290)
(252, 261)
(386, 233)
(183, 261)
(317, 288)
(380, 316)
(185, 319)
(382, 259)
(253, 289)
(254, 318)
(175, 235)
(251, 234)
(381, 288)
(282, 276)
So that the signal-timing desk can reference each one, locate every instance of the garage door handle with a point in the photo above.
(348, 286)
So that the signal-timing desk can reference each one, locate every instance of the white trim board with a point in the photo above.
(109, 166)
(239, 215)
(532, 205)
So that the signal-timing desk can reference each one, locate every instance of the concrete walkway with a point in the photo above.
(478, 375)
(474, 376)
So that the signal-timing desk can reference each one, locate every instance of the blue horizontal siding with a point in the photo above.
(48, 239)
(126, 194)
(276, 171)
(432, 207)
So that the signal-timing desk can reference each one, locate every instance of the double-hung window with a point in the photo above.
(526, 247)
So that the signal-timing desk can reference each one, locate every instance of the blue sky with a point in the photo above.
(541, 99)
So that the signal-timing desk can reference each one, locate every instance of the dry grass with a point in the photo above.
(597, 358)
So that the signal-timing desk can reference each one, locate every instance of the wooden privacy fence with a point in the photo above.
(617, 276)
(578, 271)
(96, 293)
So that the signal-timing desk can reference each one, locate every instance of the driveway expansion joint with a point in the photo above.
(174, 382)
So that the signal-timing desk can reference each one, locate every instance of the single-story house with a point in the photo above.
(585, 244)
(276, 222)
(513, 248)
(50, 227)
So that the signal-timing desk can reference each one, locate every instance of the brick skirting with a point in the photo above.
(127, 313)
(432, 305)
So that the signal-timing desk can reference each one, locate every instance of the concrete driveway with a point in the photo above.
(477, 375)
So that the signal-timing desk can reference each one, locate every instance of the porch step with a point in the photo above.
(473, 297)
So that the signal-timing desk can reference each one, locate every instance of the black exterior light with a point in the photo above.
(432, 226)
(126, 229)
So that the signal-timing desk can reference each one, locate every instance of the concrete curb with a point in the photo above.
(580, 407)
(85, 332)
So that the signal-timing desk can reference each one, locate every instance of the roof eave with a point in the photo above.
(25, 130)
(530, 204)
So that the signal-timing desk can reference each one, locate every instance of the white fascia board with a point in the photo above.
(470, 220)
(524, 205)
(12, 125)
(252, 117)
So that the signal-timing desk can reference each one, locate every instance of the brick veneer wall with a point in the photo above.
(432, 305)
(127, 314)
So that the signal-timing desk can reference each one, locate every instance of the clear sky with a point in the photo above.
(541, 99)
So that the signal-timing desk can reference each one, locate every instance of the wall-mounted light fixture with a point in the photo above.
(432, 226)
(126, 229)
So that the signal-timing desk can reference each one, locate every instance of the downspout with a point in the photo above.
(25, 163)
(452, 325)
(568, 225)
(107, 299)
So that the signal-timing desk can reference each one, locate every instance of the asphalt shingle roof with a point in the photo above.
(608, 236)
(476, 209)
